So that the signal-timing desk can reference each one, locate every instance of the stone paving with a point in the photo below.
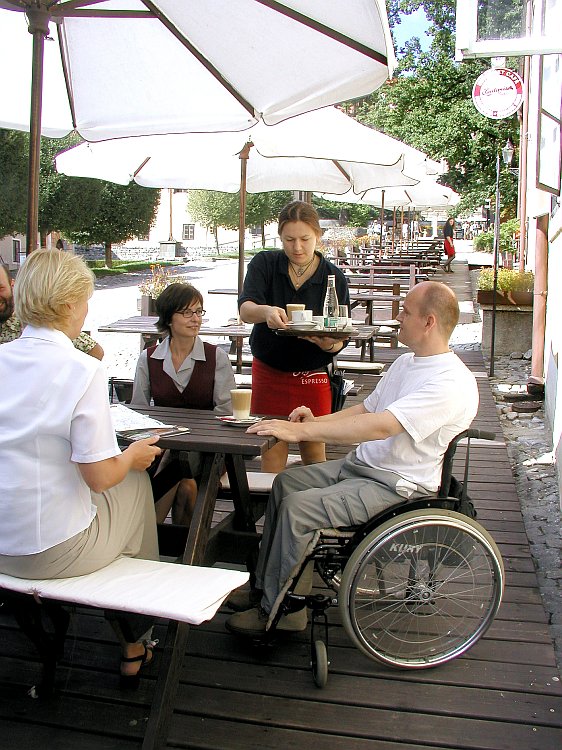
(529, 445)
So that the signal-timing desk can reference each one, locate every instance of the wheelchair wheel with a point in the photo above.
(319, 663)
(421, 589)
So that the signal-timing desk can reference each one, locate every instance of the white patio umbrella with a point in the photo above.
(117, 68)
(320, 150)
(426, 194)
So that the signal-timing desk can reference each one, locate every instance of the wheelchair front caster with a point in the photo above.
(319, 663)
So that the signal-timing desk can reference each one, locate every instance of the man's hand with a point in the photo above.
(290, 432)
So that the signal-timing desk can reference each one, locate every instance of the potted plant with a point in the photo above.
(513, 287)
(152, 287)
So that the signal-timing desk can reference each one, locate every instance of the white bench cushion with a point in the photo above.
(186, 593)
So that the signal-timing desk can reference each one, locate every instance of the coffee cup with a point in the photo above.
(301, 316)
(241, 402)
(291, 307)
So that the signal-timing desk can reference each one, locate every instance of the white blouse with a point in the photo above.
(54, 414)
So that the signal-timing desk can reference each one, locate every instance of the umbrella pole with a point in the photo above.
(39, 28)
(382, 225)
(244, 156)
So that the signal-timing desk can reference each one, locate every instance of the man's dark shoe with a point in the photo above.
(253, 622)
(243, 599)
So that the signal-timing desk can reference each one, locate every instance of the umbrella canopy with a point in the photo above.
(133, 67)
(321, 150)
(426, 194)
(129, 67)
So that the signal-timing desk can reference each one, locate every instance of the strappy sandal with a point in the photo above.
(131, 681)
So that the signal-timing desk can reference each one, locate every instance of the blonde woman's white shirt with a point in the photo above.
(54, 414)
(434, 399)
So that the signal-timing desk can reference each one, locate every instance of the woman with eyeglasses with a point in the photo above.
(182, 371)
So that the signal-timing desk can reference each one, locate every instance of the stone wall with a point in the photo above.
(513, 329)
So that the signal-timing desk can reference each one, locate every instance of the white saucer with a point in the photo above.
(239, 422)
(304, 324)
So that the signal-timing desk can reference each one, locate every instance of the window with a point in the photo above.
(188, 232)
(16, 249)
(549, 124)
(490, 28)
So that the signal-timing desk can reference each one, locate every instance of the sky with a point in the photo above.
(412, 25)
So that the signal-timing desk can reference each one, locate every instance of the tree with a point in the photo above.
(13, 190)
(428, 104)
(346, 213)
(213, 209)
(122, 212)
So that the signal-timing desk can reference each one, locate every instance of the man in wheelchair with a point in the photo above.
(427, 397)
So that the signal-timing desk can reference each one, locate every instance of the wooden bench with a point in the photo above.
(127, 584)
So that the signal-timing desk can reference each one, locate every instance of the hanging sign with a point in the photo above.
(498, 93)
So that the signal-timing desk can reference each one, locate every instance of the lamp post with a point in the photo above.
(507, 155)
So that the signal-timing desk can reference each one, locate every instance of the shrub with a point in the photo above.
(509, 280)
(509, 232)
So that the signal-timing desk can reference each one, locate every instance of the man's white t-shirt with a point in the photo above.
(54, 414)
(434, 398)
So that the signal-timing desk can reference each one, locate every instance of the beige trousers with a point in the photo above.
(124, 524)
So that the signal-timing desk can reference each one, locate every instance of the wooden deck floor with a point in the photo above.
(505, 694)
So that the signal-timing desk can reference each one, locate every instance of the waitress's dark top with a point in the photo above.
(267, 282)
(448, 231)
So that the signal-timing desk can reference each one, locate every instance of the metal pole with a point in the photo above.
(244, 156)
(171, 233)
(496, 254)
(38, 19)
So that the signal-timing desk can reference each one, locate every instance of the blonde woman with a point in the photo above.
(71, 501)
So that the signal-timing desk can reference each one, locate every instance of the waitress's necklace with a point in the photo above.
(301, 270)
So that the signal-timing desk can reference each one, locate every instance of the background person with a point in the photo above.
(449, 242)
(71, 501)
(404, 427)
(183, 372)
(288, 371)
(11, 327)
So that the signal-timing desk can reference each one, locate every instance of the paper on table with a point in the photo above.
(128, 419)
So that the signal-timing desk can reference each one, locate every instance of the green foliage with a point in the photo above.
(84, 210)
(346, 213)
(509, 280)
(428, 104)
(484, 242)
(213, 209)
(121, 213)
(13, 185)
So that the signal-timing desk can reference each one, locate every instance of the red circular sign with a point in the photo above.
(498, 93)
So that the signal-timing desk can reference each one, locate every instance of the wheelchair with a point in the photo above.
(416, 586)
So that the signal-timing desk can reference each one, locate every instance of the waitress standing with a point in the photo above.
(288, 371)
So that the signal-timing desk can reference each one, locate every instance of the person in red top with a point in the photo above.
(449, 235)
(183, 372)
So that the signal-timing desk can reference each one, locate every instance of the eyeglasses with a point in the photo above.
(190, 313)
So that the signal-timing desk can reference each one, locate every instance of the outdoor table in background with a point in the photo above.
(145, 326)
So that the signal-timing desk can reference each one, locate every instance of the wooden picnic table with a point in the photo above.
(145, 326)
(220, 445)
